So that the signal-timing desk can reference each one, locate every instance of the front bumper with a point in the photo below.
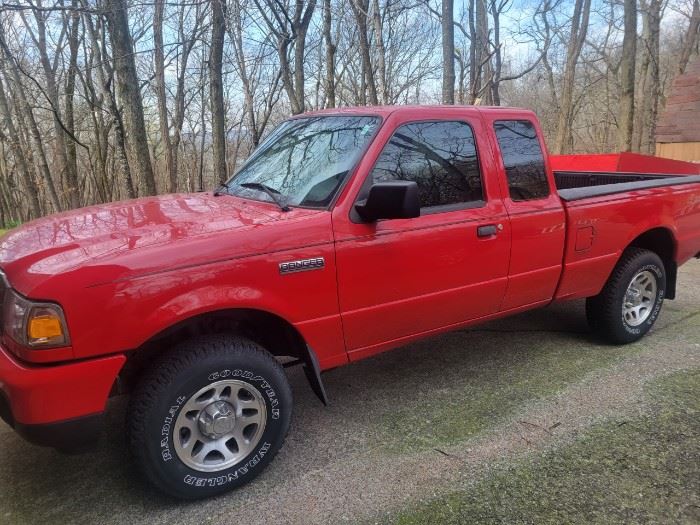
(59, 406)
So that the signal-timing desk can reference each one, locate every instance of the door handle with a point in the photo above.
(488, 230)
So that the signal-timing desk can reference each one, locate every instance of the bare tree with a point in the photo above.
(330, 54)
(128, 93)
(14, 140)
(216, 88)
(289, 27)
(11, 71)
(100, 102)
(159, 63)
(448, 52)
(647, 100)
(691, 37)
(627, 77)
(66, 166)
(360, 9)
(563, 141)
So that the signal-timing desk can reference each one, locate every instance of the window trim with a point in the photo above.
(431, 210)
(505, 172)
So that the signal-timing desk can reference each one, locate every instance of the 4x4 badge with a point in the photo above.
(302, 265)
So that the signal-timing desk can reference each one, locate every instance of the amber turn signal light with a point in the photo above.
(44, 327)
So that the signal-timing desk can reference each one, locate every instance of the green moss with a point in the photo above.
(542, 365)
(644, 470)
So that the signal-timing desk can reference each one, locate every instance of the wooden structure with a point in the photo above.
(678, 129)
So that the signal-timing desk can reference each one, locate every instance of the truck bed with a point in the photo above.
(577, 185)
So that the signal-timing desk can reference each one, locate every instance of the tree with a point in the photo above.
(649, 77)
(563, 142)
(360, 9)
(159, 63)
(448, 52)
(129, 95)
(330, 54)
(66, 165)
(289, 27)
(19, 157)
(691, 37)
(216, 89)
(103, 103)
(11, 73)
(627, 77)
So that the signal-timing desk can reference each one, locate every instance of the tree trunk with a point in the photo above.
(248, 97)
(179, 117)
(301, 26)
(497, 56)
(648, 92)
(652, 88)
(129, 95)
(216, 90)
(484, 75)
(330, 54)
(64, 168)
(159, 63)
(691, 37)
(474, 69)
(20, 160)
(625, 120)
(359, 8)
(23, 105)
(69, 118)
(448, 52)
(105, 75)
(383, 87)
(563, 142)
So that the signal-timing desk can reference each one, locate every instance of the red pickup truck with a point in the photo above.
(347, 233)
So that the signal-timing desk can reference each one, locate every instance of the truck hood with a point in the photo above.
(127, 238)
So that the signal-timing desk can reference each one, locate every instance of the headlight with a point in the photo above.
(36, 325)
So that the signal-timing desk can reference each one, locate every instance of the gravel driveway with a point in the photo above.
(402, 426)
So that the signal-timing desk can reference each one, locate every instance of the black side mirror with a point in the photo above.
(390, 200)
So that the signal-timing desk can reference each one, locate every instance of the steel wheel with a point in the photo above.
(639, 298)
(219, 425)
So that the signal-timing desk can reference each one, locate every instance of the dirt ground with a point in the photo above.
(404, 428)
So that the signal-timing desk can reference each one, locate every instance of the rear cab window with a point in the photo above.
(441, 158)
(523, 159)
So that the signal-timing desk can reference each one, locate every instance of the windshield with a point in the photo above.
(304, 161)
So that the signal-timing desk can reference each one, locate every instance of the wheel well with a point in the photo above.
(662, 243)
(270, 331)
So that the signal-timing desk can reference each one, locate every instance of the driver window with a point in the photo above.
(438, 156)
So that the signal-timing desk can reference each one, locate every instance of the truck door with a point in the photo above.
(399, 278)
(536, 214)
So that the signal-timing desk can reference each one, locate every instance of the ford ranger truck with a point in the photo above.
(346, 233)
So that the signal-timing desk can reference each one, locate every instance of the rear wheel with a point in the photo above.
(209, 416)
(629, 304)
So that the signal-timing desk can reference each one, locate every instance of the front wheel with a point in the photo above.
(209, 416)
(629, 304)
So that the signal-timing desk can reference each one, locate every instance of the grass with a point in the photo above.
(504, 382)
(644, 470)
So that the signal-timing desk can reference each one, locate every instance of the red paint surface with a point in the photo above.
(622, 162)
(124, 272)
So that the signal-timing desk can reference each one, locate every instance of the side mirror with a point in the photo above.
(390, 200)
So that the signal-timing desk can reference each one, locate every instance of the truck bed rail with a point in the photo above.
(573, 186)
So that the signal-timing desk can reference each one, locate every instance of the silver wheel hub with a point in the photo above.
(219, 425)
(640, 298)
(217, 419)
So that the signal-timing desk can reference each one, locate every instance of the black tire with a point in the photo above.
(171, 384)
(605, 310)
